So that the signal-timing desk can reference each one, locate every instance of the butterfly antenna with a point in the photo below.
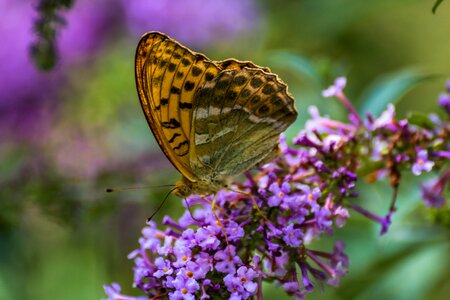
(161, 204)
(113, 190)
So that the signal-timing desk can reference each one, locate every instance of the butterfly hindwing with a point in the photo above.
(237, 120)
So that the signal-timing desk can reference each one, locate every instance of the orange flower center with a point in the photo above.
(280, 194)
(184, 291)
(165, 269)
(310, 197)
(185, 258)
(189, 274)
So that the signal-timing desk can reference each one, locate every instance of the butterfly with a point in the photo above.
(212, 119)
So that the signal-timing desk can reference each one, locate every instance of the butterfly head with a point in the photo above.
(184, 187)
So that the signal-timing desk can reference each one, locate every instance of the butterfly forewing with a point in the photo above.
(167, 76)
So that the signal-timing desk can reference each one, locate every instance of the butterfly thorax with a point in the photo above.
(185, 187)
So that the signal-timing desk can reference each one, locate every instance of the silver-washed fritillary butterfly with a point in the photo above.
(212, 119)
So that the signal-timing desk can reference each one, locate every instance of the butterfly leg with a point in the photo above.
(219, 222)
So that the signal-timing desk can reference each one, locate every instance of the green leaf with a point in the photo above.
(421, 120)
(436, 5)
(389, 89)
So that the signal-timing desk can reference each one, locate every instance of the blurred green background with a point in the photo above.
(69, 133)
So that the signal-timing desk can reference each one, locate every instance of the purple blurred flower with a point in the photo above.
(422, 164)
(292, 236)
(29, 97)
(164, 267)
(444, 98)
(384, 222)
(227, 260)
(88, 25)
(386, 119)
(444, 101)
(113, 293)
(25, 105)
(278, 193)
(241, 284)
(336, 89)
(433, 190)
(192, 22)
(185, 288)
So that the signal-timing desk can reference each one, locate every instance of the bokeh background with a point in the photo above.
(68, 133)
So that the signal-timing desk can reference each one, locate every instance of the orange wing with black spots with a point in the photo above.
(212, 119)
(167, 77)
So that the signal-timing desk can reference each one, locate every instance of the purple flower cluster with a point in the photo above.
(200, 256)
(265, 224)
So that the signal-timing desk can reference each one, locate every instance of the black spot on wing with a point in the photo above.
(223, 84)
(226, 64)
(180, 145)
(175, 90)
(196, 71)
(174, 136)
(255, 99)
(185, 105)
(268, 89)
(264, 109)
(186, 62)
(162, 64)
(256, 82)
(239, 80)
(209, 76)
(230, 96)
(172, 123)
(245, 93)
(189, 85)
(171, 67)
